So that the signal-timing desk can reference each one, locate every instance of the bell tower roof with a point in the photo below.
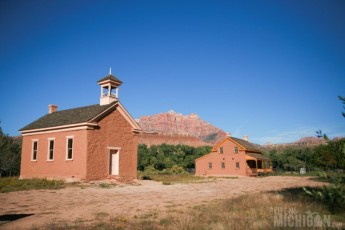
(110, 79)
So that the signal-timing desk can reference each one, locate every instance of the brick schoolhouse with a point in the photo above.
(81, 144)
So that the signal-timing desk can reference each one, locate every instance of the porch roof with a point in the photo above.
(253, 156)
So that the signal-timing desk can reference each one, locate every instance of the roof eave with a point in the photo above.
(136, 127)
(58, 127)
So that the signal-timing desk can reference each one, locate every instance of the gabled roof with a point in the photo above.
(247, 146)
(70, 116)
(110, 77)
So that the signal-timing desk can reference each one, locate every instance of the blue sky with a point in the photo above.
(268, 69)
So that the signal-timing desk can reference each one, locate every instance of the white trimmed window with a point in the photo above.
(69, 148)
(51, 143)
(237, 165)
(235, 149)
(221, 150)
(209, 165)
(34, 150)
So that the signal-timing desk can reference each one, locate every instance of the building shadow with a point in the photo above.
(12, 217)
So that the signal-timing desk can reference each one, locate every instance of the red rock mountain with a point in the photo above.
(311, 141)
(176, 128)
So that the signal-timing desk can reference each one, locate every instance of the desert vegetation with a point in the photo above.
(10, 184)
(175, 174)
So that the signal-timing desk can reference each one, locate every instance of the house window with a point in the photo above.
(237, 165)
(50, 149)
(34, 150)
(210, 165)
(69, 148)
(235, 149)
(223, 165)
(221, 150)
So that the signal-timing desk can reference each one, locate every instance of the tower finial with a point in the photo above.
(110, 71)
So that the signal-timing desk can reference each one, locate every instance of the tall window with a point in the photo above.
(223, 165)
(235, 149)
(221, 150)
(238, 165)
(51, 149)
(69, 148)
(34, 150)
(210, 165)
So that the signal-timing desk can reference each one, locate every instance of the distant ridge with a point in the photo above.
(172, 127)
(305, 141)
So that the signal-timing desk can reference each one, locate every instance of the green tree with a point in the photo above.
(164, 156)
(331, 155)
(9, 155)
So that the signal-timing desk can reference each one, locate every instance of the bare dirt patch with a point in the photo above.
(91, 203)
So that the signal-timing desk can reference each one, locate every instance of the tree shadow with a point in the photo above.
(298, 194)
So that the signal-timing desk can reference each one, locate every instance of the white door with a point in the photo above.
(114, 162)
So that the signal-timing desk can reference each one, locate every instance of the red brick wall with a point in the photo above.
(59, 168)
(114, 131)
(228, 157)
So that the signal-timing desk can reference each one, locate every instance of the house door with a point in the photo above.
(114, 162)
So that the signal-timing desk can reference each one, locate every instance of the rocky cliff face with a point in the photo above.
(171, 139)
(311, 141)
(181, 125)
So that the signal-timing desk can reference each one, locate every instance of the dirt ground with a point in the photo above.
(89, 202)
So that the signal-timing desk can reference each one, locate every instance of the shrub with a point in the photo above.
(148, 173)
(178, 170)
(333, 195)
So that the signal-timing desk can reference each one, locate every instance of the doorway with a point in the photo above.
(114, 162)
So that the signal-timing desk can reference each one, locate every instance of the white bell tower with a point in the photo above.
(109, 89)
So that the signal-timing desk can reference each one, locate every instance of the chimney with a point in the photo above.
(245, 138)
(228, 134)
(52, 108)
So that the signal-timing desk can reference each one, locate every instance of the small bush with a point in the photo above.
(148, 173)
(105, 185)
(145, 177)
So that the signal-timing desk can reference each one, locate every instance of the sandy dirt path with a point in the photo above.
(75, 203)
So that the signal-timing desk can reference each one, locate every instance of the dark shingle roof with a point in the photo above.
(258, 156)
(249, 146)
(110, 77)
(68, 117)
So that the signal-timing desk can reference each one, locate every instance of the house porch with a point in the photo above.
(257, 164)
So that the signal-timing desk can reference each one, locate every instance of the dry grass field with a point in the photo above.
(221, 203)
